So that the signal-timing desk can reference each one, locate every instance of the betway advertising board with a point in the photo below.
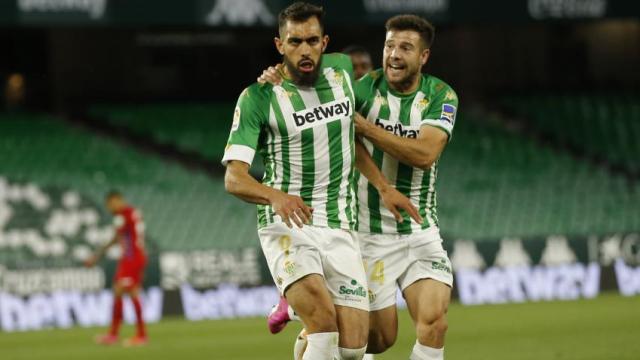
(551, 268)
(46, 233)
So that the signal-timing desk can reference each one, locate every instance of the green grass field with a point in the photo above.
(606, 328)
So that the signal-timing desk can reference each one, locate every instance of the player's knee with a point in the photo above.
(353, 338)
(380, 341)
(352, 354)
(321, 318)
(432, 326)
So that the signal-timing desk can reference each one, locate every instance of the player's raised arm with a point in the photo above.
(392, 198)
(420, 152)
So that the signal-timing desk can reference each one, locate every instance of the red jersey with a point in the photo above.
(130, 228)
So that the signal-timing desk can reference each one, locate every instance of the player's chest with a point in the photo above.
(401, 117)
(314, 111)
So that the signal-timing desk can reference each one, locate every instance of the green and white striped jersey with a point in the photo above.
(433, 104)
(306, 138)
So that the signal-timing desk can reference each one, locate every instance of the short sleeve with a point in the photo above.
(363, 89)
(442, 111)
(248, 117)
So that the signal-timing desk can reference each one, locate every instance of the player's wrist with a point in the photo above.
(271, 195)
(382, 186)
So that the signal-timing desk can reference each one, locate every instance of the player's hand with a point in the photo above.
(290, 208)
(271, 75)
(361, 124)
(91, 261)
(394, 200)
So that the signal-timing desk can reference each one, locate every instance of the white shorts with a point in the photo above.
(393, 261)
(333, 253)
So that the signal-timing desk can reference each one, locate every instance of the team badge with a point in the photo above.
(338, 78)
(422, 104)
(448, 113)
(380, 100)
(290, 268)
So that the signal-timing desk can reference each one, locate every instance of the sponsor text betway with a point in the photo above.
(323, 114)
(398, 129)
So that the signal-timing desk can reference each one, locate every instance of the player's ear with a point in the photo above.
(325, 42)
(424, 57)
(279, 45)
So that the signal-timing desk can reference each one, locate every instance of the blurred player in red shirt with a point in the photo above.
(129, 232)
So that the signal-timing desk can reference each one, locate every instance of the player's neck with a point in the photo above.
(406, 87)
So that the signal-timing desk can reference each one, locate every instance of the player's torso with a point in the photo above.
(308, 147)
(402, 116)
(132, 234)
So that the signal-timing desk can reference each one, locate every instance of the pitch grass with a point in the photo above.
(604, 328)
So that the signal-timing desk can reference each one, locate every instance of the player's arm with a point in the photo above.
(239, 182)
(392, 198)
(102, 250)
(420, 152)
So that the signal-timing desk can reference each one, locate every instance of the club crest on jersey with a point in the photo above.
(323, 114)
(282, 92)
(422, 104)
(398, 129)
(381, 100)
(338, 78)
(448, 113)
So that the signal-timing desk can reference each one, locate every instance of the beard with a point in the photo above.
(306, 79)
(405, 82)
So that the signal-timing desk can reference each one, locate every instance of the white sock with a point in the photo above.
(352, 354)
(368, 357)
(321, 346)
(300, 346)
(292, 314)
(421, 352)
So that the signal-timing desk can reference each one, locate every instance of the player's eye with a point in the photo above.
(313, 41)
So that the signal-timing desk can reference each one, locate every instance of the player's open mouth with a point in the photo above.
(395, 68)
(306, 65)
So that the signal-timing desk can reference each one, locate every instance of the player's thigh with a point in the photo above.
(427, 300)
(353, 325)
(308, 294)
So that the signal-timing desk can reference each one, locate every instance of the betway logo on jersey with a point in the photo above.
(322, 114)
(398, 129)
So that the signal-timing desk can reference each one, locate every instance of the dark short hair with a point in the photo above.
(355, 49)
(113, 194)
(299, 12)
(413, 23)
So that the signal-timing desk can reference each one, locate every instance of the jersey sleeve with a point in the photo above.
(248, 117)
(442, 111)
(363, 89)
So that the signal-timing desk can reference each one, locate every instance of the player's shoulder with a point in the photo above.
(256, 93)
(337, 61)
(437, 87)
(372, 79)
